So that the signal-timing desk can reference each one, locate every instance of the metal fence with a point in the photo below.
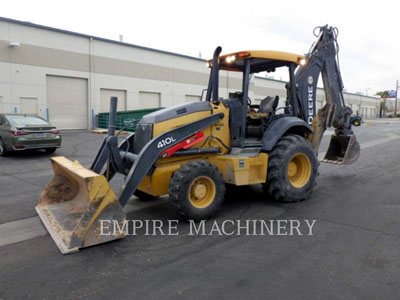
(125, 120)
(127, 124)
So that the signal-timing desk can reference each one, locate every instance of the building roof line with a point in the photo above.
(25, 23)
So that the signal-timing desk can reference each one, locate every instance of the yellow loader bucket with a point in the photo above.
(73, 205)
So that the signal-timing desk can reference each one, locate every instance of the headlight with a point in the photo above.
(302, 61)
(230, 59)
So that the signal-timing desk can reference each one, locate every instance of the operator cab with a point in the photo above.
(249, 121)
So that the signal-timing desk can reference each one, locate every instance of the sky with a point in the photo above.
(368, 32)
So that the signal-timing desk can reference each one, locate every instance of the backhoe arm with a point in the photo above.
(323, 59)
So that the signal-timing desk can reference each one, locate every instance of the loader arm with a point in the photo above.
(153, 150)
(136, 166)
(323, 59)
(78, 206)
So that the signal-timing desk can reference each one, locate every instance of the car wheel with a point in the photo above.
(50, 150)
(3, 149)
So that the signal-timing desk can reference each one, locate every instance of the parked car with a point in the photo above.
(356, 120)
(22, 132)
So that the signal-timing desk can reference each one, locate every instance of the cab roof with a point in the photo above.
(261, 60)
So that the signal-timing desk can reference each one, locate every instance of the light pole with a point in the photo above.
(395, 100)
(366, 94)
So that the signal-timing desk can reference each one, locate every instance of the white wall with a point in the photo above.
(27, 79)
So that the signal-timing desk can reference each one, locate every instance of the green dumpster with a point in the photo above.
(125, 120)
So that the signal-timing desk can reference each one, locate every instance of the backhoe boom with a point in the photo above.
(323, 59)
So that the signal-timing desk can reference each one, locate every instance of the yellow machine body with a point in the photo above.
(236, 169)
(78, 205)
(219, 130)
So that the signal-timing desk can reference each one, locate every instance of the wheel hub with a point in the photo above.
(299, 170)
(202, 192)
(292, 169)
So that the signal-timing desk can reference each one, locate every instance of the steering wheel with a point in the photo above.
(239, 95)
(249, 109)
(248, 101)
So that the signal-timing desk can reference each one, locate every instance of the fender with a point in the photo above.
(279, 127)
(151, 152)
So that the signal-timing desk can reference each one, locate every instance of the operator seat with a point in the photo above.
(268, 104)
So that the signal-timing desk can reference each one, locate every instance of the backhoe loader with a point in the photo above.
(193, 150)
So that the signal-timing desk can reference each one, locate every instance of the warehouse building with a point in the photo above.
(68, 78)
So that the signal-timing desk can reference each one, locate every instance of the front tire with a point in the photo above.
(292, 169)
(50, 150)
(144, 196)
(3, 148)
(197, 190)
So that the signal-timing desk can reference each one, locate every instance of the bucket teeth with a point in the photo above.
(78, 207)
(336, 162)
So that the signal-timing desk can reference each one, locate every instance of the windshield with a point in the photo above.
(27, 121)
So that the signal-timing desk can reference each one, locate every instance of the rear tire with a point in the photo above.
(50, 150)
(3, 148)
(197, 189)
(292, 169)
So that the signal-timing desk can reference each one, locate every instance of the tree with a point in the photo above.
(383, 95)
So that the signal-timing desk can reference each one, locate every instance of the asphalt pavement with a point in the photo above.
(354, 252)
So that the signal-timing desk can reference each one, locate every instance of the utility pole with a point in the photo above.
(384, 106)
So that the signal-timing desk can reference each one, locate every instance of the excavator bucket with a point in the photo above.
(343, 149)
(79, 208)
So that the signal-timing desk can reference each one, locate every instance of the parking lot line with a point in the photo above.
(26, 229)
(136, 206)
(389, 137)
(21, 230)
(328, 132)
